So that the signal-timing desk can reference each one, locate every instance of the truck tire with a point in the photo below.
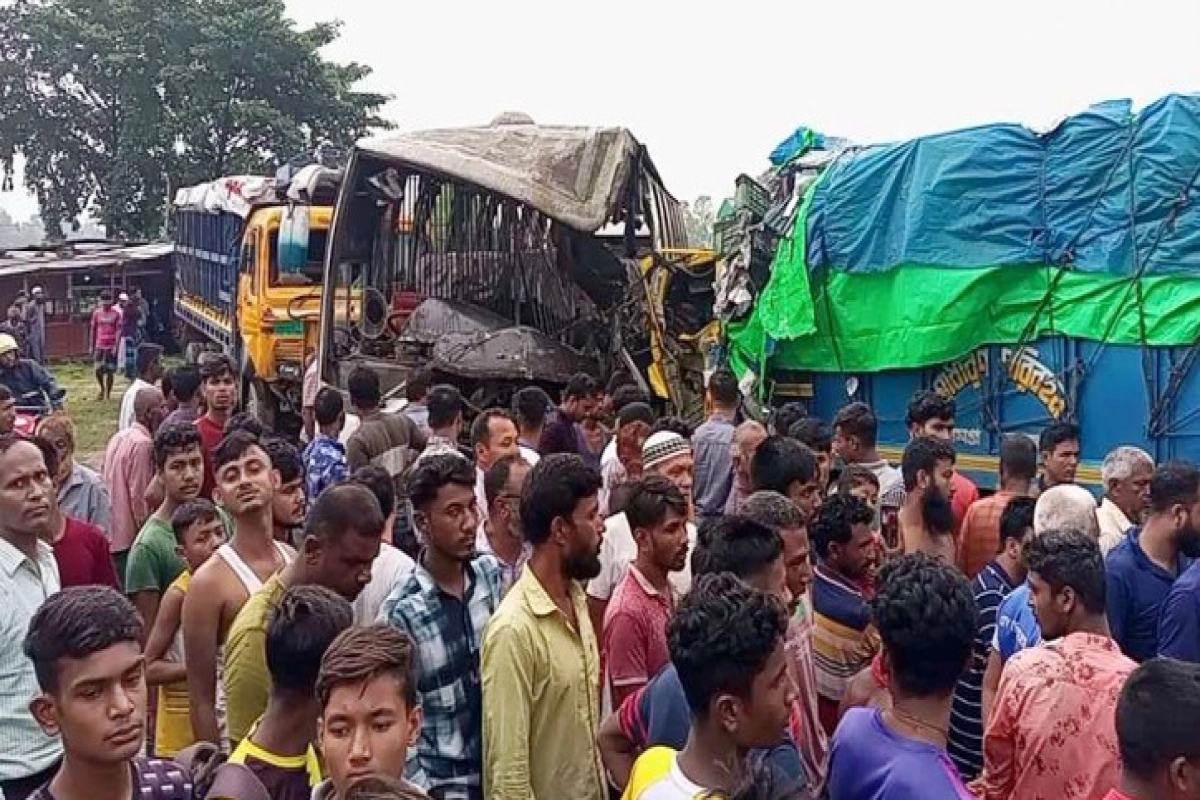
(260, 403)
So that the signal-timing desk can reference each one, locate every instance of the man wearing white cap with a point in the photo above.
(668, 454)
(35, 321)
(26, 377)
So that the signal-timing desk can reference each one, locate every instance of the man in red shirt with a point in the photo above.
(1158, 732)
(219, 386)
(105, 334)
(635, 621)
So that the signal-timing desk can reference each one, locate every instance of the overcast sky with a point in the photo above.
(711, 88)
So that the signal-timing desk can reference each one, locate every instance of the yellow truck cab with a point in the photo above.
(249, 255)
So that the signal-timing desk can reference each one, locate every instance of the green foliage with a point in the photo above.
(115, 103)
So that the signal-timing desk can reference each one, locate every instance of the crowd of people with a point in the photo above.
(585, 600)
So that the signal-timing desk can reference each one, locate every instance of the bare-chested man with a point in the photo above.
(245, 486)
(927, 518)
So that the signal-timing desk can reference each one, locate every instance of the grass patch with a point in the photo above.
(95, 420)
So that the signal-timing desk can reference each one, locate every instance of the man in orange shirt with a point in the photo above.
(979, 539)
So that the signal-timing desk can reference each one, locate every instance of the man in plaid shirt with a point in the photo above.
(444, 605)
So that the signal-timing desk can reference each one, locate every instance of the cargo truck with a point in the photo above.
(249, 254)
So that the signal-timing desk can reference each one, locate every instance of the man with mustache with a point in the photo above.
(635, 622)
(28, 575)
(1142, 568)
(927, 517)
(246, 486)
(443, 605)
(541, 665)
(154, 559)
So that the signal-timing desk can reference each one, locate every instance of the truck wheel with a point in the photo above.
(260, 403)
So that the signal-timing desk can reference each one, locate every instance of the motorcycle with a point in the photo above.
(32, 406)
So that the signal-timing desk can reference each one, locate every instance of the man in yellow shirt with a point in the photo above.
(540, 661)
(279, 747)
(341, 540)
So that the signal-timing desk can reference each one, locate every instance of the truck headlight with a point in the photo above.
(288, 370)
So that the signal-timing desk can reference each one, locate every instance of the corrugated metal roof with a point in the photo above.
(79, 256)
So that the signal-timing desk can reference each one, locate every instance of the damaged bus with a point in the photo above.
(514, 254)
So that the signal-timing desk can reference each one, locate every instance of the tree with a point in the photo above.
(115, 103)
(699, 218)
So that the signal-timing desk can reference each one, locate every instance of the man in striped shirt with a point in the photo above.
(999, 577)
(844, 641)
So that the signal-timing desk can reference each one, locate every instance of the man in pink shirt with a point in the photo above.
(1051, 732)
(635, 621)
(128, 470)
(105, 334)
(1158, 730)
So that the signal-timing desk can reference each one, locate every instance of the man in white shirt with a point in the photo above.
(150, 372)
(392, 565)
(1126, 473)
(28, 575)
(493, 436)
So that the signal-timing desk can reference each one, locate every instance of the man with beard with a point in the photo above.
(444, 606)
(341, 540)
(635, 621)
(1126, 474)
(927, 517)
(931, 414)
(245, 487)
(541, 665)
(1140, 571)
(289, 502)
(501, 535)
(154, 559)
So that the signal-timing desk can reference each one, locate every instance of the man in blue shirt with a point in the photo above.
(1142, 568)
(712, 445)
(325, 456)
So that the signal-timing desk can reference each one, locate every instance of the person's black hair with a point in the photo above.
(581, 385)
(299, 631)
(720, 638)
(147, 352)
(379, 483)
(49, 454)
(1055, 434)
(481, 432)
(779, 462)
(496, 478)
(328, 406)
(927, 405)
(5, 393)
(1016, 519)
(814, 433)
(618, 379)
(233, 446)
(214, 365)
(445, 403)
(635, 412)
(75, 623)
(1174, 483)
(627, 395)
(363, 387)
(835, 521)
(673, 425)
(923, 454)
(166, 383)
(723, 388)
(342, 509)
(185, 382)
(245, 421)
(737, 544)
(1069, 558)
(618, 497)
(1018, 457)
(786, 416)
(927, 617)
(195, 511)
(554, 487)
(852, 474)
(773, 510)
(1158, 717)
(285, 459)
(416, 385)
(858, 420)
(434, 472)
(652, 497)
(531, 404)
(363, 653)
